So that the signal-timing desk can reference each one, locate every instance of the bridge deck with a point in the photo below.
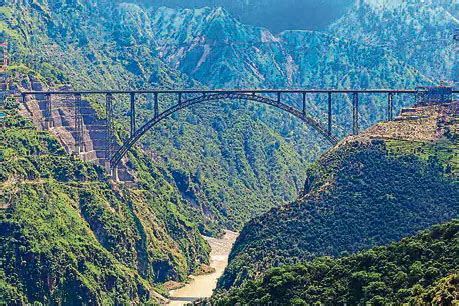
(260, 91)
(188, 97)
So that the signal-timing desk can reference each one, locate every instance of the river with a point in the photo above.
(202, 286)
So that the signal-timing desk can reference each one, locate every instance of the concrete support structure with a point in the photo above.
(109, 134)
(329, 113)
(78, 125)
(355, 113)
(390, 107)
(155, 105)
(304, 104)
(132, 114)
(48, 111)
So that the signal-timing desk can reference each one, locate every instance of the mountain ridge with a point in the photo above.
(368, 190)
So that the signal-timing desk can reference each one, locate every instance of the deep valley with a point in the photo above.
(286, 153)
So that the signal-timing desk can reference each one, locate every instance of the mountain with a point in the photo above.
(100, 44)
(129, 46)
(391, 181)
(419, 33)
(217, 50)
(68, 235)
(274, 15)
(417, 270)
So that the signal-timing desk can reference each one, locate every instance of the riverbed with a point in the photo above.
(202, 286)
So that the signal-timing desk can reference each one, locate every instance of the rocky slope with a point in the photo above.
(68, 234)
(396, 178)
(417, 270)
(114, 48)
(216, 49)
(274, 15)
(419, 33)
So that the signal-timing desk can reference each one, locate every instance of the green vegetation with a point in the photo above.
(112, 45)
(69, 236)
(363, 193)
(420, 270)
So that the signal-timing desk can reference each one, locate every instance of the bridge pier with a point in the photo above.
(78, 124)
(114, 174)
(390, 106)
(132, 114)
(109, 135)
(329, 113)
(304, 104)
(155, 105)
(48, 112)
(355, 113)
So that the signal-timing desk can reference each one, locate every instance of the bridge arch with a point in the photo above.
(211, 97)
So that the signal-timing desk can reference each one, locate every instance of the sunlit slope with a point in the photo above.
(395, 179)
(68, 235)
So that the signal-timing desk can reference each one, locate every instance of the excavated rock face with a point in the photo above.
(69, 234)
(419, 123)
(62, 124)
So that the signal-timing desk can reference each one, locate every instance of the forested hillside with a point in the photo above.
(393, 180)
(419, 270)
(107, 45)
(68, 235)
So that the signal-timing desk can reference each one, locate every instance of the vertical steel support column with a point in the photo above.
(304, 104)
(278, 97)
(355, 111)
(155, 105)
(329, 113)
(390, 106)
(180, 98)
(109, 136)
(48, 111)
(132, 114)
(78, 125)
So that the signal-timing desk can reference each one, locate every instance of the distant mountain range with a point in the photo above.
(420, 33)
(272, 14)
(209, 167)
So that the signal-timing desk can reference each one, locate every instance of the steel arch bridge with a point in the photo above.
(188, 98)
(211, 97)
